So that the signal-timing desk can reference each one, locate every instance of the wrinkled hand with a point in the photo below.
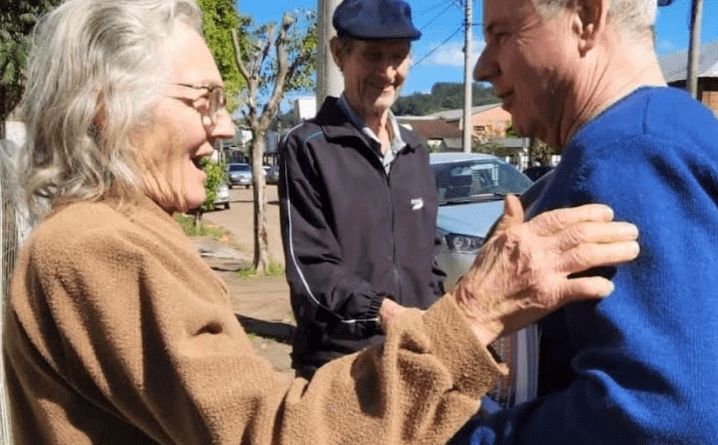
(389, 310)
(522, 272)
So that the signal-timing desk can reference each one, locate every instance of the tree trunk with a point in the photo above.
(261, 249)
(197, 218)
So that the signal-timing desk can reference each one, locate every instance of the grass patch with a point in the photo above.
(273, 270)
(187, 224)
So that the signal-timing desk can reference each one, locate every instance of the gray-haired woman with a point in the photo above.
(119, 333)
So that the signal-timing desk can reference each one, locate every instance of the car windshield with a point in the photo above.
(477, 180)
(239, 167)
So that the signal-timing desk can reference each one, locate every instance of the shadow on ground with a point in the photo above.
(281, 332)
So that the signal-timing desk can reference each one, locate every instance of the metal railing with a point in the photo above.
(15, 225)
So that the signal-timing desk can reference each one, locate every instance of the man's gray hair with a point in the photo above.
(95, 71)
(635, 18)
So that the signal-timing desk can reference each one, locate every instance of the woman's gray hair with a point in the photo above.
(636, 18)
(95, 71)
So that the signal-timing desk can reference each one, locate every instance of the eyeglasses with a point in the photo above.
(216, 100)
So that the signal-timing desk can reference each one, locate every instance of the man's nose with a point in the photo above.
(485, 68)
(387, 68)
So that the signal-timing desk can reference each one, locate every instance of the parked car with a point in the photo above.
(537, 171)
(272, 174)
(222, 198)
(239, 174)
(470, 191)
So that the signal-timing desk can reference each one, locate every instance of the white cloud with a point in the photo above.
(451, 54)
(666, 47)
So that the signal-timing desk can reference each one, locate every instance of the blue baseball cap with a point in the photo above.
(375, 20)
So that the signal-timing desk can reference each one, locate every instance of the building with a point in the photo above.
(443, 131)
(674, 67)
(488, 121)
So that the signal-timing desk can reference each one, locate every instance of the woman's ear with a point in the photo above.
(100, 120)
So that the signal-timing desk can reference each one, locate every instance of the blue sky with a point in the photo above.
(438, 55)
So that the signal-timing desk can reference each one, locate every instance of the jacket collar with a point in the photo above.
(338, 125)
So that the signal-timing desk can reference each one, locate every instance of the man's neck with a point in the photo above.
(611, 78)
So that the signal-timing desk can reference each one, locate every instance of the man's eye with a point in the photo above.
(500, 37)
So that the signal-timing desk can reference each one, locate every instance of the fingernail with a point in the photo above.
(610, 289)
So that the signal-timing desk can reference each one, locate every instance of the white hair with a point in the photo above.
(95, 71)
(636, 18)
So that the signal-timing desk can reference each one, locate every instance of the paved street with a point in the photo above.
(239, 221)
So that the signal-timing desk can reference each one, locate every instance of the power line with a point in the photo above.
(438, 46)
(430, 9)
(435, 18)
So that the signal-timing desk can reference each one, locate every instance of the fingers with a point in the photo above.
(579, 289)
(556, 220)
(596, 232)
(513, 213)
(587, 256)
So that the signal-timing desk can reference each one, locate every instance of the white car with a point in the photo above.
(470, 191)
(222, 198)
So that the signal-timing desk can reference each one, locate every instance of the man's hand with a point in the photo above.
(522, 272)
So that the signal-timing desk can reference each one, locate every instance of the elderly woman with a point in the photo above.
(117, 331)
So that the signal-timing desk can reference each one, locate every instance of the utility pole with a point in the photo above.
(694, 47)
(329, 78)
(468, 79)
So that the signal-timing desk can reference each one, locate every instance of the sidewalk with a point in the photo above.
(260, 303)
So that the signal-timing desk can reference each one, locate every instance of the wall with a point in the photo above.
(492, 123)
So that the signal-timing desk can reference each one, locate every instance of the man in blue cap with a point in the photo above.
(358, 196)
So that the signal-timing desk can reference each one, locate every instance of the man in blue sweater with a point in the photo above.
(639, 367)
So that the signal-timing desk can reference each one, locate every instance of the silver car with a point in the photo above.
(222, 197)
(239, 174)
(470, 190)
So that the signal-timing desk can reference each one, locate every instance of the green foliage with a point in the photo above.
(17, 20)
(443, 96)
(186, 222)
(218, 17)
(216, 174)
(541, 152)
(511, 132)
(274, 270)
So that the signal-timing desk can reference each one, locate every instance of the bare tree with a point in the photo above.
(294, 59)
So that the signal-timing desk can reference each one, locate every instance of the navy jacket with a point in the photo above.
(352, 234)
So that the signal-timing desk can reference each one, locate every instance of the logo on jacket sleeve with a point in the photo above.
(417, 204)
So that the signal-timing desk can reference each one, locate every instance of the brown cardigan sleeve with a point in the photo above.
(119, 333)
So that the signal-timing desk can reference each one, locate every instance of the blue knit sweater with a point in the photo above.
(640, 367)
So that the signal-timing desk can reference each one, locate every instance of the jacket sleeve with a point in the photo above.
(113, 330)
(323, 289)
(642, 362)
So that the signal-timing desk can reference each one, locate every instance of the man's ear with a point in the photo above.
(337, 52)
(589, 22)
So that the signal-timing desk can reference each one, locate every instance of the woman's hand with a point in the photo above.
(522, 272)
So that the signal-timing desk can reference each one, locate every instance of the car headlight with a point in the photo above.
(460, 243)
